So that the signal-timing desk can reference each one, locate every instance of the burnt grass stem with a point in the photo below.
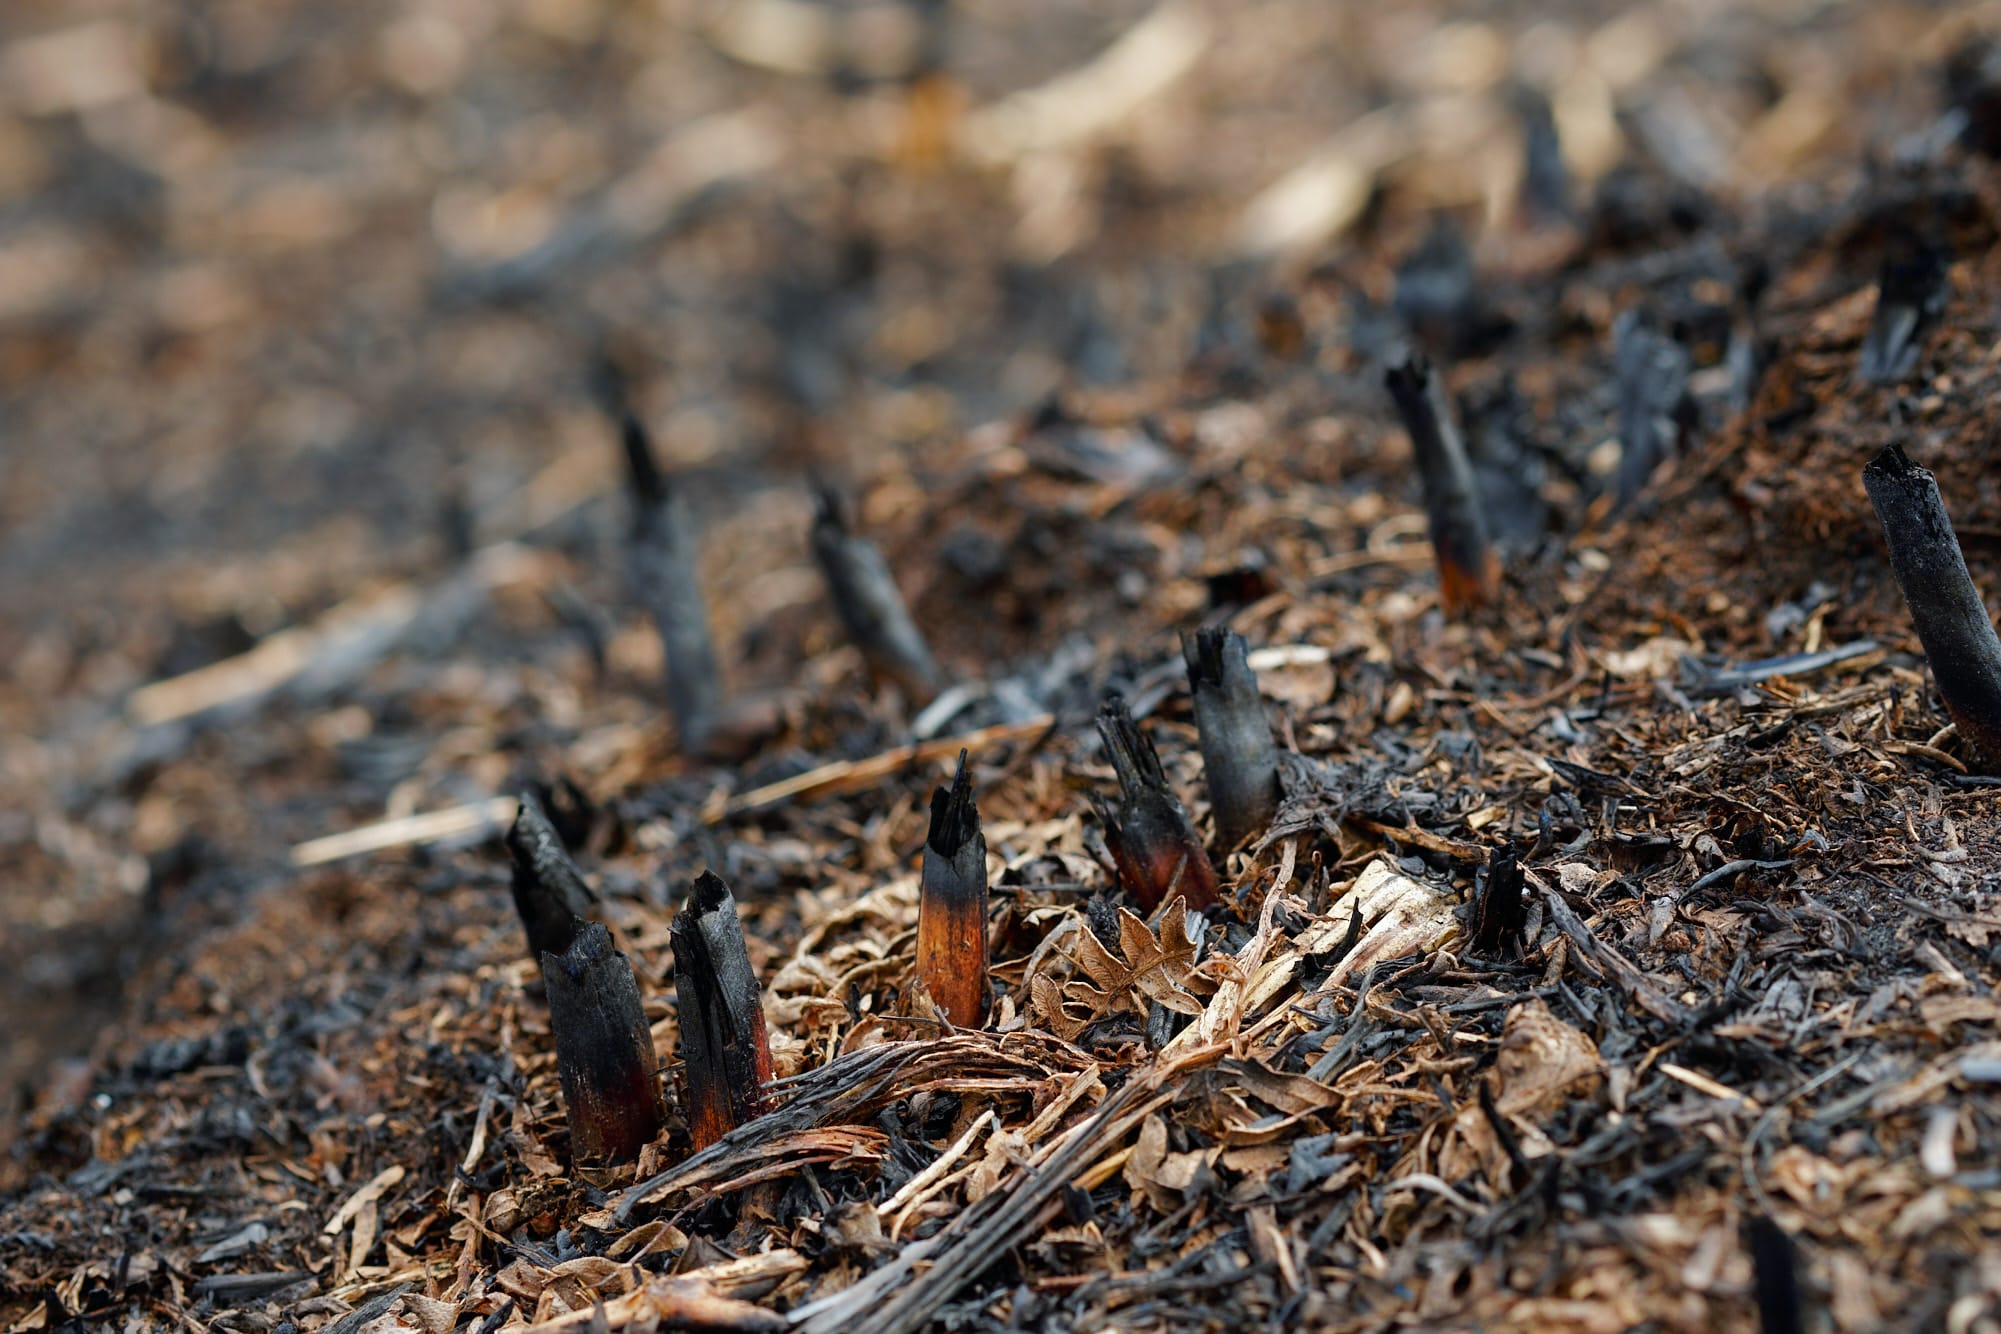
(604, 1049)
(1951, 620)
(1153, 843)
(665, 579)
(952, 904)
(1469, 571)
(1239, 759)
(549, 892)
(871, 609)
(725, 1054)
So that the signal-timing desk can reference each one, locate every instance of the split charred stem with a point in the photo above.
(665, 578)
(1153, 843)
(952, 907)
(1951, 620)
(871, 609)
(725, 1055)
(1469, 571)
(1239, 760)
(604, 1049)
(549, 893)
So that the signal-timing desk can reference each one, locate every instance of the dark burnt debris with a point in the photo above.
(1622, 954)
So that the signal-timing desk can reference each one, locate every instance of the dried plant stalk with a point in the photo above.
(549, 892)
(665, 578)
(1951, 619)
(952, 908)
(1469, 570)
(604, 1049)
(1239, 760)
(1153, 843)
(724, 1053)
(871, 609)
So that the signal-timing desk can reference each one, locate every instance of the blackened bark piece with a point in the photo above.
(1239, 760)
(604, 1049)
(1469, 571)
(1500, 910)
(665, 579)
(952, 904)
(1951, 620)
(871, 609)
(1656, 413)
(1910, 297)
(549, 893)
(725, 1056)
(1153, 842)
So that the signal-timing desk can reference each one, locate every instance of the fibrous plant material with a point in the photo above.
(1153, 844)
(952, 907)
(1910, 296)
(1951, 620)
(665, 578)
(1656, 413)
(871, 608)
(604, 1049)
(1239, 760)
(549, 893)
(1469, 571)
(725, 1056)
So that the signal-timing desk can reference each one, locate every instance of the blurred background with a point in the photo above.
(302, 299)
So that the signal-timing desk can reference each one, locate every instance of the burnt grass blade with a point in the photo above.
(549, 892)
(1469, 570)
(952, 904)
(1946, 608)
(870, 607)
(665, 579)
(1153, 843)
(1239, 759)
(604, 1049)
(725, 1055)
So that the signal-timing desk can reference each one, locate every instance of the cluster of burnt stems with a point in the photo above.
(604, 1047)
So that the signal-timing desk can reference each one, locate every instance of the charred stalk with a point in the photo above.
(871, 609)
(1239, 761)
(664, 576)
(1469, 572)
(724, 1052)
(1500, 912)
(1154, 845)
(1656, 413)
(1951, 620)
(952, 908)
(1775, 1277)
(1910, 296)
(604, 1049)
(549, 893)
